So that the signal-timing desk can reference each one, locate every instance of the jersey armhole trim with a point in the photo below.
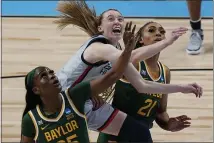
(99, 63)
(126, 81)
(164, 70)
(73, 105)
(35, 125)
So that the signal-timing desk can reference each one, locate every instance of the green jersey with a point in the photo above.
(143, 107)
(69, 125)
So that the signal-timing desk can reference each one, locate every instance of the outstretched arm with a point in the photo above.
(148, 51)
(110, 53)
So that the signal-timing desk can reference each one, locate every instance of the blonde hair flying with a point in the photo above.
(77, 12)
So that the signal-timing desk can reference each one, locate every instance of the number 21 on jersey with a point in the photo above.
(150, 104)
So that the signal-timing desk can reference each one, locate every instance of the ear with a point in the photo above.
(141, 41)
(100, 29)
(36, 90)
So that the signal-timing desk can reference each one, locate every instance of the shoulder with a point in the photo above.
(27, 118)
(99, 39)
(28, 127)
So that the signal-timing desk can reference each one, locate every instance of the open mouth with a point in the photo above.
(116, 30)
(56, 82)
(158, 39)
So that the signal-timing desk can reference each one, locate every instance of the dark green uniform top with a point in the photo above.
(68, 125)
(142, 107)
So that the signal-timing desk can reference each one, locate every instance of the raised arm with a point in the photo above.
(101, 84)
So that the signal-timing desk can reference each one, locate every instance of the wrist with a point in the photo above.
(168, 42)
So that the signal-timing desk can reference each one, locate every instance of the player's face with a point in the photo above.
(46, 82)
(152, 33)
(112, 25)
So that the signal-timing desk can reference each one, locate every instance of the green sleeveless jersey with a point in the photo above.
(142, 107)
(69, 125)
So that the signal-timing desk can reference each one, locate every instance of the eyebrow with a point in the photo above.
(46, 69)
(117, 16)
(162, 28)
(152, 27)
(41, 72)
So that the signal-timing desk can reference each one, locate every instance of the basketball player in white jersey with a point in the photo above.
(94, 58)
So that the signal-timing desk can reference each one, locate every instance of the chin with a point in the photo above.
(58, 89)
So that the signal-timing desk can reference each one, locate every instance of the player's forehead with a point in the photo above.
(154, 25)
(112, 13)
(42, 69)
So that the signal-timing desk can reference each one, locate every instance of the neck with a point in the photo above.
(114, 42)
(53, 104)
(152, 62)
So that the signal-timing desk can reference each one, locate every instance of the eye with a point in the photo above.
(151, 30)
(111, 19)
(162, 31)
(51, 72)
(44, 74)
(121, 19)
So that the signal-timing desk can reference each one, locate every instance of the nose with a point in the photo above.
(158, 34)
(116, 21)
(51, 76)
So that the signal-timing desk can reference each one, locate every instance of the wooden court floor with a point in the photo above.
(29, 42)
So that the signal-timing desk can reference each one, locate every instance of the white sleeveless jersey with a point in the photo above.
(77, 69)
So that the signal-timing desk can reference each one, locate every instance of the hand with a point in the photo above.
(97, 102)
(175, 34)
(129, 38)
(178, 123)
(193, 88)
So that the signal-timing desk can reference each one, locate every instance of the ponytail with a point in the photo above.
(77, 12)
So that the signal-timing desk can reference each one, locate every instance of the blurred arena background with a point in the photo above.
(29, 39)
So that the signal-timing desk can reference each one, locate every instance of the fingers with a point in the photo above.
(180, 123)
(179, 32)
(130, 26)
(126, 27)
(180, 127)
(133, 30)
(97, 102)
(199, 89)
(194, 90)
(183, 118)
(181, 29)
(94, 103)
